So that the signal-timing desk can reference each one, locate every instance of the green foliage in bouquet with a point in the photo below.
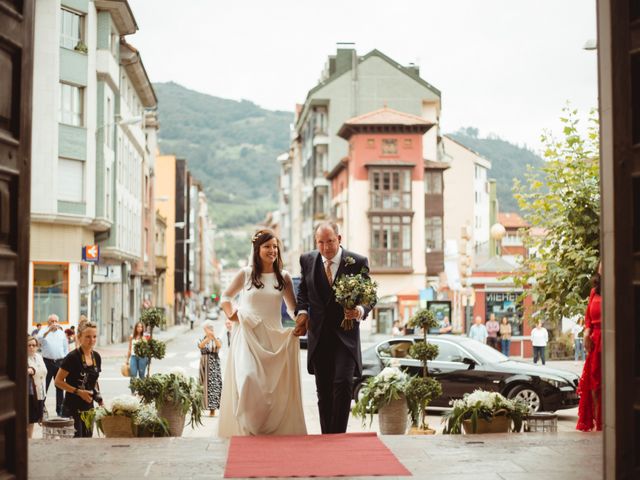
(172, 388)
(485, 405)
(150, 349)
(148, 423)
(390, 384)
(353, 290)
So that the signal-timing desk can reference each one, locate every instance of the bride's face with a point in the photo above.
(269, 252)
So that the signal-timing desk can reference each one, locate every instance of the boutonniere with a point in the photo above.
(349, 261)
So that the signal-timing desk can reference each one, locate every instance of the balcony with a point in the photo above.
(320, 139)
(107, 68)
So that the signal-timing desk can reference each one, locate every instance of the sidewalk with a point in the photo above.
(115, 350)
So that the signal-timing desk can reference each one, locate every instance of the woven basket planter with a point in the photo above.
(174, 417)
(499, 424)
(117, 426)
(392, 418)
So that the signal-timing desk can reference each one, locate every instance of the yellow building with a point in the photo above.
(165, 185)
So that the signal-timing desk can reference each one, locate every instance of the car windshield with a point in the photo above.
(486, 353)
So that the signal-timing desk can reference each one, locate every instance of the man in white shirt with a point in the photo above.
(55, 347)
(478, 331)
(539, 340)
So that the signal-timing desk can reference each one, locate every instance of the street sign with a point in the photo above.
(91, 253)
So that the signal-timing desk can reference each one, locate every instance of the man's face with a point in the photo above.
(327, 242)
(52, 321)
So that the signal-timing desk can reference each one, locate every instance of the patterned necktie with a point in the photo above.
(327, 271)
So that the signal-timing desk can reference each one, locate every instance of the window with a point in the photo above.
(389, 146)
(433, 234)
(109, 125)
(50, 291)
(390, 189)
(107, 197)
(70, 112)
(432, 182)
(70, 29)
(447, 352)
(391, 241)
(70, 180)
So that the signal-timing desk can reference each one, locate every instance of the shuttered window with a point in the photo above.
(70, 180)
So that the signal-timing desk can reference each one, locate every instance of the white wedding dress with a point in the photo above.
(261, 393)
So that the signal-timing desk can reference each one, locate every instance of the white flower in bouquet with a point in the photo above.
(146, 414)
(125, 404)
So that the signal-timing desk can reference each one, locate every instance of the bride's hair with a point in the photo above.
(260, 237)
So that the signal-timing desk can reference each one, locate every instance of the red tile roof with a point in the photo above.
(387, 116)
(511, 220)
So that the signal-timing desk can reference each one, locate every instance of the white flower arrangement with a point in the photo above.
(125, 405)
(390, 384)
(485, 405)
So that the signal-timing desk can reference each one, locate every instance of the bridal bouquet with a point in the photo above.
(353, 290)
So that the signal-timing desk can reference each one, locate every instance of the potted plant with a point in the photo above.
(116, 421)
(148, 423)
(174, 395)
(81, 47)
(151, 318)
(422, 389)
(385, 394)
(485, 412)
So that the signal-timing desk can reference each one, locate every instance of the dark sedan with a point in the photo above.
(464, 365)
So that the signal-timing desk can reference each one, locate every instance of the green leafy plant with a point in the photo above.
(484, 405)
(422, 390)
(562, 199)
(171, 388)
(122, 405)
(81, 47)
(390, 384)
(149, 424)
(150, 349)
(152, 318)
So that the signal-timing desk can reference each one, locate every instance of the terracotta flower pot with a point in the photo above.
(499, 424)
(392, 418)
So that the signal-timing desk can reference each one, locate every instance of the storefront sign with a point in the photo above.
(91, 253)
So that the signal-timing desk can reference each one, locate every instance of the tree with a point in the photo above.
(562, 200)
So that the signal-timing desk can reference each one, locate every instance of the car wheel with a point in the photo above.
(528, 395)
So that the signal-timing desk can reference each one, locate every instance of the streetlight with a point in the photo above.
(497, 233)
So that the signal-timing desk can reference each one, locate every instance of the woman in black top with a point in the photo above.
(78, 376)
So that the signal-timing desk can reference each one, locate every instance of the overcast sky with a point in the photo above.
(504, 66)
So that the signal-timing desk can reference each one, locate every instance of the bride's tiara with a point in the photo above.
(258, 234)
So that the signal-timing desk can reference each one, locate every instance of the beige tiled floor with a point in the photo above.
(535, 456)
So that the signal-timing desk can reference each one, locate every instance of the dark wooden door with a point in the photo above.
(16, 70)
(619, 65)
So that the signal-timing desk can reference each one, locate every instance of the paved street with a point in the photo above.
(182, 352)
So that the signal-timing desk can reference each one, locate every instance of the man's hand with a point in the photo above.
(301, 325)
(351, 313)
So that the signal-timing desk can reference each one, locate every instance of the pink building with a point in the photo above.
(388, 201)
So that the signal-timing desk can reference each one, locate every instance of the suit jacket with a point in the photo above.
(316, 296)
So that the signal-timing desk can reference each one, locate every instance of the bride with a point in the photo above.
(261, 392)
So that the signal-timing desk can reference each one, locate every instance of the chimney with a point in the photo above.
(344, 57)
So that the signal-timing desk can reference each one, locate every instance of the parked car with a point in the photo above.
(464, 365)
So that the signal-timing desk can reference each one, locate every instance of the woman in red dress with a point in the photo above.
(590, 388)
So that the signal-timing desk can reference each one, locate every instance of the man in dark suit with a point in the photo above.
(333, 353)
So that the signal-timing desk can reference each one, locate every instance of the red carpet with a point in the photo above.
(338, 455)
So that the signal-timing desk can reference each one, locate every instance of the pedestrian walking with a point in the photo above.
(37, 376)
(137, 365)
(539, 340)
(71, 336)
(505, 336)
(478, 331)
(493, 328)
(55, 347)
(577, 332)
(36, 331)
(210, 374)
(78, 376)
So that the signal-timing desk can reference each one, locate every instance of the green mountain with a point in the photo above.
(508, 161)
(231, 148)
